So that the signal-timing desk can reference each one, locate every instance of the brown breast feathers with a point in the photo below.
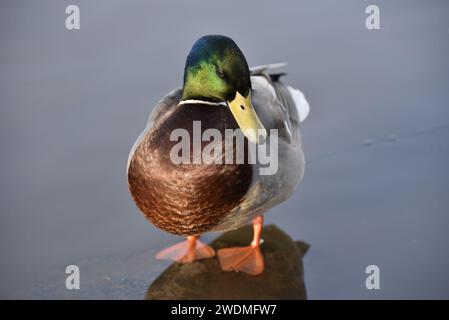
(186, 199)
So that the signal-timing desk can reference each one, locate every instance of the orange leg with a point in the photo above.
(187, 251)
(245, 259)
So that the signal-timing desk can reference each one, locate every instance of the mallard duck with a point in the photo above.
(220, 92)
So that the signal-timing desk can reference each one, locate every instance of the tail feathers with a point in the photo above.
(300, 102)
(266, 68)
(302, 106)
(276, 76)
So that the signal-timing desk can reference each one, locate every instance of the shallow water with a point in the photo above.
(73, 102)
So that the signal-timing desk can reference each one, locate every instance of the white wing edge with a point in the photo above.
(301, 103)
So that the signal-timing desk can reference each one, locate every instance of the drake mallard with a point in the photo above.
(220, 92)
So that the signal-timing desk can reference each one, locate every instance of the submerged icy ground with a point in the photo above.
(132, 277)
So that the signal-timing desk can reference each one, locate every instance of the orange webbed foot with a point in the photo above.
(187, 251)
(245, 259)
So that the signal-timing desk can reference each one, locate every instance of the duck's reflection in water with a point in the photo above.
(283, 277)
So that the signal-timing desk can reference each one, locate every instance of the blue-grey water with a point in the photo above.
(72, 103)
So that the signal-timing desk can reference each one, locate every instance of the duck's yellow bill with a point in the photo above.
(247, 119)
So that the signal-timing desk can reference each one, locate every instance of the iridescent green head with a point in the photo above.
(216, 70)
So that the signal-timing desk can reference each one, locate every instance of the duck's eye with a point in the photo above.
(221, 73)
